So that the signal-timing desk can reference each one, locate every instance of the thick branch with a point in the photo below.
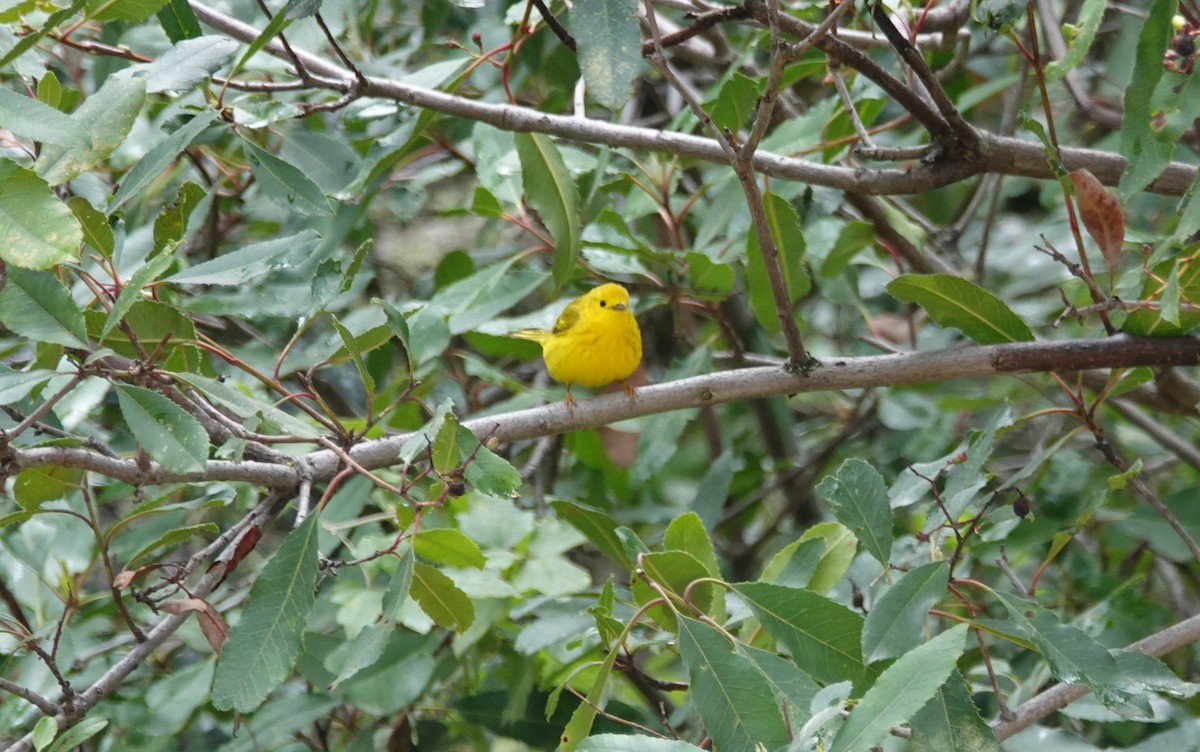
(1000, 155)
(748, 383)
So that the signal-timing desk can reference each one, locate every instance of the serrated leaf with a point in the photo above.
(285, 185)
(610, 48)
(951, 721)
(729, 691)
(441, 599)
(840, 547)
(188, 63)
(158, 159)
(449, 547)
(107, 116)
(37, 231)
(171, 223)
(823, 637)
(350, 343)
(368, 645)
(858, 499)
(953, 301)
(1146, 153)
(178, 21)
(262, 647)
(490, 473)
(78, 734)
(96, 231)
(35, 486)
(790, 245)
(131, 293)
(36, 306)
(552, 193)
(901, 690)
(249, 263)
(896, 622)
(162, 428)
(598, 527)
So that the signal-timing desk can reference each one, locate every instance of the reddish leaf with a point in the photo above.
(1101, 213)
(213, 627)
(126, 577)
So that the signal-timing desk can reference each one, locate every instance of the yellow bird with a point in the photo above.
(595, 341)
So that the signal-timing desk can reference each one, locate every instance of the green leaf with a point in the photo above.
(37, 231)
(133, 11)
(249, 263)
(188, 63)
(552, 193)
(896, 623)
(1147, 153)
(171, 223)
(686, 533)
(262, 647)
(158, 159)
(368, 645)
(246, 405)
(173, 538)
(953, 301)
(32, 119)
(735, 102)
(1089, 21)
(673, 572)
(490, 473)
(356, 357)
(162, 428)
(178, 21)
(840, 546)
(107, 116)
(598, 527)
(286, 186)
(398, 325)
(789, 242)
(729, 692)
(44, 733)
(16, 385)
(78, 734)
(900, 691)
(633, 742)
(441, 599)
(951, 721)
(36, 306)
(131, 293)
(28, 41)
(1076, 658)
(823, 637)
(858, 499)
(610, 48)
(35, 486)
(449, 547)
(96, 231)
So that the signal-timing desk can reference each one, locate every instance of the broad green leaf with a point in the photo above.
(188, 63)
(162, 428)
(133, 11)
(1186, 278)
(713, 490)
(706, 276)
(953, 301)
(633, 743)
(1147, 153)
(368, 645)
(686, 533)
(551, 191)
(795, 564)
(178, 21)
(44, 733)
(78, 734)
(286, 186)
(31, 119)
(171, 224)
(246, 405)
(790, 244)
(673, 572)
(823, 637)
(858, 499)
(490, 473)
(735, 102)
(598, 527)
(35, 486)
(840, 546)
(96, 231)
(441, 599)
(262, 647)
(249, 263)
(449, 547)
(951, 721)
(172, 538)
(1076, 658)
(728, 691)
(49, 91)
(37, 230)
(610, 48)
(158, 159)
(901, 690)
(107, 116)
(131, 293)
(896, 622)
(36, 306)
(16, 385)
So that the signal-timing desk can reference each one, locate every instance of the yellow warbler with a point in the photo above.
(595, 341)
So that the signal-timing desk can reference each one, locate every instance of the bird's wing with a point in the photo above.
(569, 317)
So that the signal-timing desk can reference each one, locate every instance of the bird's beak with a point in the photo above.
(619, 307)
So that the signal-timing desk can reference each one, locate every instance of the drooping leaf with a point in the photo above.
(96, 231)
(551, 191)
(610, 48)
(37, 231)
(1101, 214)
(897, 620)
(598, 527)
(784, 222)
(35, 486)
(262, 647)
(188, 63)
(107, 116)
(953, 301)
(162, 428)
(858, 499)
(285, 185)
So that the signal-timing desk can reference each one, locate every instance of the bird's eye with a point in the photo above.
(603, 303)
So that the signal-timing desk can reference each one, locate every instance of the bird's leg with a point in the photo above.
(629, 389)
(570, 400)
